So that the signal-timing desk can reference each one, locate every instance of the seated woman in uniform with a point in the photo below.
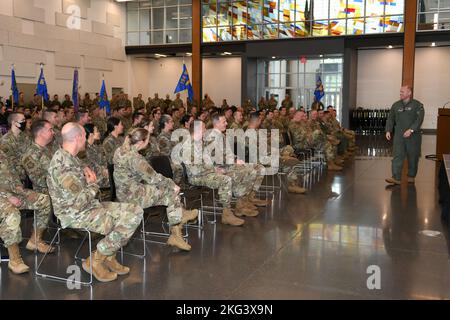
(137, 183)
(114, 138)
(94, 155)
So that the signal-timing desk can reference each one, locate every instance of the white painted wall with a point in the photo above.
(379, 79)
(221, 77)
(34, 31)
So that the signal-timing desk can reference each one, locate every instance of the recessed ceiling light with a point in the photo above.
(188, 53)
(160, 55)
(227, 53)
(321, 56)
(273, 57)
(390, 47)
(433, 44)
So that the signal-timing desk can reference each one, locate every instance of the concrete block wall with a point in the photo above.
(52, 32)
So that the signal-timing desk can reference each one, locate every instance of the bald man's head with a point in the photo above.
(71, 131)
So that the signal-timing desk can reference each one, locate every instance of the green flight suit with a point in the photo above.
(401, 118)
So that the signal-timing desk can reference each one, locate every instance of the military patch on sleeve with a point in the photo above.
(71, 184)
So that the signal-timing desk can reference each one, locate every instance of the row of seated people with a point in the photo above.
(68, 170)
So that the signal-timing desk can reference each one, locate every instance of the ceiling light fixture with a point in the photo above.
(273, 57)
(390, 47)
(433, 44)
(160, 55)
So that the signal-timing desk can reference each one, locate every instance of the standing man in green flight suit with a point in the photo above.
(404, 121)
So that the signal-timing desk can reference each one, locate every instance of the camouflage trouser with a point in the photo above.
(146, 196)
(10, 215)
(216, 181)
(246, 178)
(177, 170)
(319, 141)
(342, 147)
(116, 221)
(286, 164)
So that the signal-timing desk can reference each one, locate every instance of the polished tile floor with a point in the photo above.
(314, 246)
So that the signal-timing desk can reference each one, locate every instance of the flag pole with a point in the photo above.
(12, 92)
(42, 97)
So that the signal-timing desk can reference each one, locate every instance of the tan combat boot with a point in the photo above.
(99, 269)
(36, 243)
(229, 218)
(257, 202)
(114, 265)
(339, 161)
(243, 210)
(393, 181)
(294, 188)
(176, 239)
(333, 166)
(16, 263)
(189, 215)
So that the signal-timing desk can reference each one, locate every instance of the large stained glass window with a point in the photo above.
(273, 19)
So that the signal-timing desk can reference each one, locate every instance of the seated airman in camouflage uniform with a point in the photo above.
(287, 160)
(14, 144)
(94, 155)
(138, 183)
(166, 145)
(201, 172)
(14, 197)
(303, 137)
(73, 191)
(251, 174)
(114, 139)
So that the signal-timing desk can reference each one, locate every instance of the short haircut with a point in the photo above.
(37, 126)
(81, 113)
(137, 115)
(215, 117)
(13, 117)
(47, 113)
(70, 131)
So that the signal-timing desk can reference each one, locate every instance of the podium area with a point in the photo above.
(314, 246)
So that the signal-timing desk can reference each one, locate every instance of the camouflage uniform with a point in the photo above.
(36, 161)
(127, 123)
(204, 174)
(139, 104)
(57, 140)
(10, 186)
(14, 148)
(165, 148)
(320, 141)
(110, 144)
(165, 145)
(139, 184)
(75, 204)
(152, 149)
(287, 103)
(272, 104)
(101, 124)
(94, 157)
(246, 177)
(177, 103)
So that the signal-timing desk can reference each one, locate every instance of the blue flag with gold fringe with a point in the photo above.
(41, 89)
(104, 102)
(185, 84)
